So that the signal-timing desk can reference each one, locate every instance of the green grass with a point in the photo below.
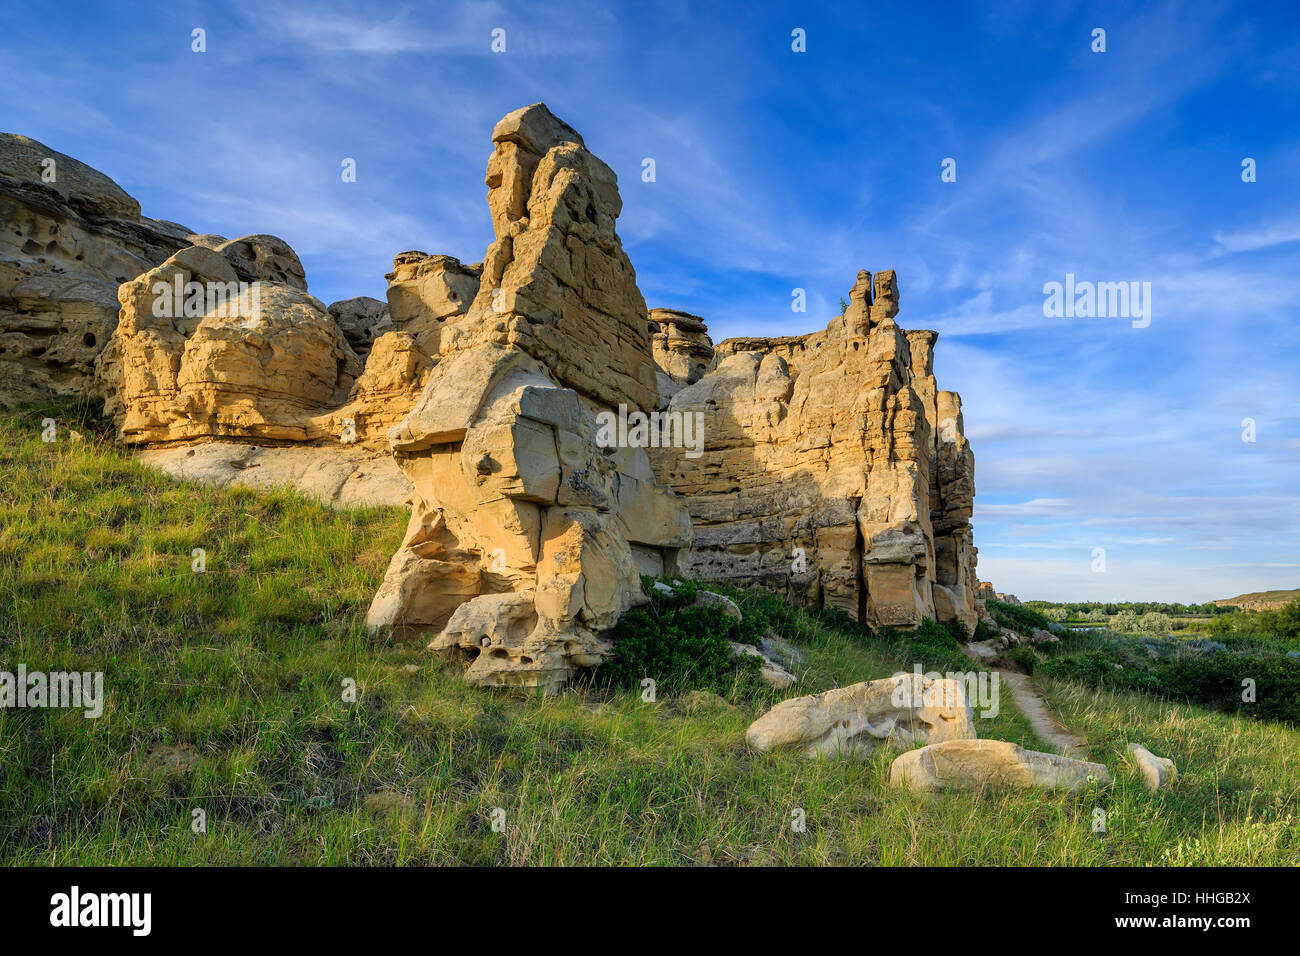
(242, 669)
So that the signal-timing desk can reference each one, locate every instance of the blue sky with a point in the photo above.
(778, 170)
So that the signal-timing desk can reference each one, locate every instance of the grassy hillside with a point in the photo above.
(225, 695)
(1261, 598)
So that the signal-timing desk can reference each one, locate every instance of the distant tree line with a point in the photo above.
(1152, 617)
(1082, 609)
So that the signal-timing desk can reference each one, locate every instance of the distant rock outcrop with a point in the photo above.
(71, 236)
(833, 470)
(682, 349)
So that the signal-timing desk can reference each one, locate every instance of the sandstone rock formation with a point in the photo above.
(361, 319)
(682, 349)
(1156, 771)
(901, 711)
(772, 672)
(71, 236)
(528, 535)
(425, 291)
(977, 764)
(834, 471)
(197, 355)
(261, 257)
(985, 592)
(830, 468)
(264, 360)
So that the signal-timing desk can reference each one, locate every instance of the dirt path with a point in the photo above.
(1045, 725)
(1035, 710)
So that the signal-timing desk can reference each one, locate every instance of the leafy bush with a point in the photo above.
(1283, 623)
(1126, 622)
(1024, 658)
(1022, 620)
(1200, 672)
(957, 629)
(765, 610)
(986, 631)
(1154, 622)
(681, 646)
(930, 644)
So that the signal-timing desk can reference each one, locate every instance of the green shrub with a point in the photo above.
(1211, 678)
(958, 630)
(682, 647)
(1154, 622)
(1024, 657)
(930, 644)
(765, 610)
(1022, 620)
(1283, 623)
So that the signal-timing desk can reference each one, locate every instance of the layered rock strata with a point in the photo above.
(834, 471)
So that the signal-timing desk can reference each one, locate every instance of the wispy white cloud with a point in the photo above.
(1274, 234)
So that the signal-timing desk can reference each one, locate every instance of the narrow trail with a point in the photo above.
(1035, 710)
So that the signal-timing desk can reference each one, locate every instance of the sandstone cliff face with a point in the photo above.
(833, 470)
(528, 534)
(71, 236)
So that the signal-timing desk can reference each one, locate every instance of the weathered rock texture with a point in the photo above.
(902, 711)
(977, 764)
(527, 538)
(273, 364)
(834, 471)
(682, 349)
(71, 236)
(1156, 771)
